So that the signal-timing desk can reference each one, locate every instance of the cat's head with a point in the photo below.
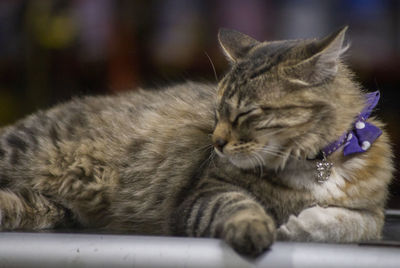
(282, 99)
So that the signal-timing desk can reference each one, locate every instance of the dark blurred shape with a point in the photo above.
(51, 50)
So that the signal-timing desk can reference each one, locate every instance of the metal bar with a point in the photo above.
(393, 213)
(102, 250)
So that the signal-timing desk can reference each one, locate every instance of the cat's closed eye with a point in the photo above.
(270, 127)
(243, 116)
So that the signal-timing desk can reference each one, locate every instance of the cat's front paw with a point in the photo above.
(248, 234)
(310, 225)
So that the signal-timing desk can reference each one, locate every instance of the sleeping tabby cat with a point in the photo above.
(235, 161)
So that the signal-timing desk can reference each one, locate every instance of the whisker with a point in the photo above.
(208, 160)
(272, 132)
(272, 151)
(261, 163)
(252, 163)
(203, 148)
(212, 158)
(278, 153)
(272, 148)
(212, 65)
(299, 147)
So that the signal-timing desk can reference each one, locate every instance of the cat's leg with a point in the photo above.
(223, 211)
(332, 224)
(28, 210)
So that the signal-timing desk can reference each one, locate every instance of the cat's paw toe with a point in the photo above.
(249, 236)
(283, 233)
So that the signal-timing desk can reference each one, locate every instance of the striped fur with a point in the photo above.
(144, 162)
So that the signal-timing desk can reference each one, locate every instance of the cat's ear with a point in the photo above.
(323, 62)
(234, 44)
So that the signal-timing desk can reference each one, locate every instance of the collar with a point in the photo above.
(357, 140)
(361, 136)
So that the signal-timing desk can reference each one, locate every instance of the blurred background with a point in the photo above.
(51, 50)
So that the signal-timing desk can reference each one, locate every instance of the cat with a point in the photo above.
(246, 160)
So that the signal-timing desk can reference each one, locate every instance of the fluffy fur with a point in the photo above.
(144, 162)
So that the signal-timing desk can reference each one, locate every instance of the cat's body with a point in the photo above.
(102, 158)
(143, 162)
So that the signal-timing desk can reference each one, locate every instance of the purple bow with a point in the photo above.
(360, 138)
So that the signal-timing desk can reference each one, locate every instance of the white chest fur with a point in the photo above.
(302, 175)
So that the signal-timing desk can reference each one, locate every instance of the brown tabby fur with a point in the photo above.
(143, 162)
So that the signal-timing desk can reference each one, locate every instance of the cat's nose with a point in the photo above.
(219, 143)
